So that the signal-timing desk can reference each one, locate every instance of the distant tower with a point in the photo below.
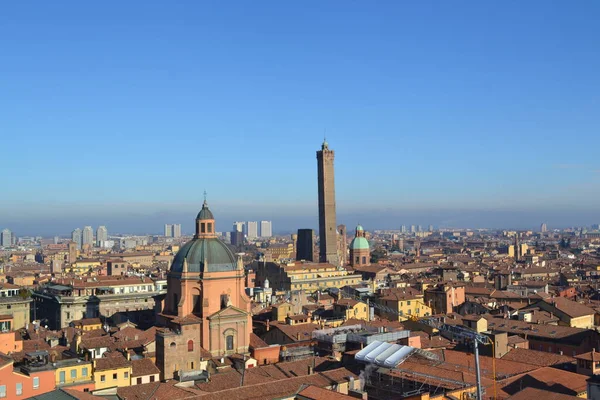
(304, 246)
(101, 235)
(360, 251)
(87, 236)
(517, 247)
(6, 239)
(266, 229)
(544, 228)
(176, 230)
(342, 244)
(252, 227)
(72, 246)
(327, 225)
(168, 230)
(76, 237)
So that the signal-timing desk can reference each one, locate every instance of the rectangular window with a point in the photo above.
(408, 303)
(114, 377)
(84, 371)
(126, 375)
(19, 389)
(151, 378)
(2, 390)
(73, 373)
(36, 382)
(102, 378)
(62, 376)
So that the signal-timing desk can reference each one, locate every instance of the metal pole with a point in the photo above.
(476, 351)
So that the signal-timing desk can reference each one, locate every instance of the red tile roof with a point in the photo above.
(143, 367)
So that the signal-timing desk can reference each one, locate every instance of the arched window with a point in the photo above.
(203, 227)
(229, 340)
(172, 345)
(190, 345)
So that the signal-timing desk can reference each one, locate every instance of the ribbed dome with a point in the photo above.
(198, 251)
(205, 213)
(359, 243)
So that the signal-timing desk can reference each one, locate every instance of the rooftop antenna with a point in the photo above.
(204, 196)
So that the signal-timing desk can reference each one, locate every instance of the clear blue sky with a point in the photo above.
(451, 113)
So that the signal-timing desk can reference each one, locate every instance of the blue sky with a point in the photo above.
(123, 113)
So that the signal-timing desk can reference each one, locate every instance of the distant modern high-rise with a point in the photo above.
(305, 245)
(403, 229)
(413, 229)
(543, 228)
(168, 230)
(419, 228)
(237, 238)
(266, 229)
(76, 237)
(6, 238)
(252, 227)
(327, 218)
(430, 228)
(87, 236)
(101, 235)
(176, 230)
(239, 226)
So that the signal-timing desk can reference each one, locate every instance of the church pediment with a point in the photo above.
(229, 311)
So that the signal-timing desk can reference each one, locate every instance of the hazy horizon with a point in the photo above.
(153, 223)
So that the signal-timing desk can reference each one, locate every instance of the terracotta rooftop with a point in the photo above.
(569, 307)
(296, 332)
(551, 379)
(522, 328)
(142, 367)
(534, 357)
(256, 342)
(316, 393)
(111, 362)
(153, 391)
(533, 393)
(591, 356)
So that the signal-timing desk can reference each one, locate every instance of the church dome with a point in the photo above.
(359, 243)
(205, 252)
(204, 255)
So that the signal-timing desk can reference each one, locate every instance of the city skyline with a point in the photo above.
(449, 128)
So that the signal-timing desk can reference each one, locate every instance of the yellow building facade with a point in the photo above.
(403, 307)
(112, 373)
(73, 372)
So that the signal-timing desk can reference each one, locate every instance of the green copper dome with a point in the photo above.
(205, 213)
(359, 243)
(204, 255)
(359, 228)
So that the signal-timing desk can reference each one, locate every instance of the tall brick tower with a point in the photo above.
(327, 225)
